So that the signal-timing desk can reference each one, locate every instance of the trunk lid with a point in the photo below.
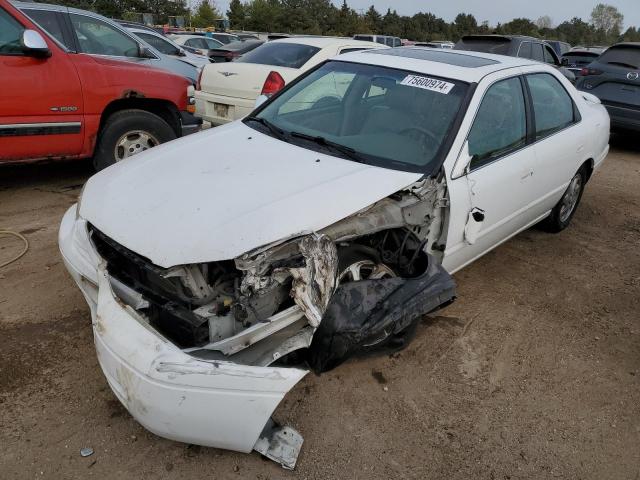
(240, 80)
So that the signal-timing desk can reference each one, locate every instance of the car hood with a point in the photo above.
(219, 193)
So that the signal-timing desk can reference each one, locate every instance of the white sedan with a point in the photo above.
(228, 91)
(220, 268)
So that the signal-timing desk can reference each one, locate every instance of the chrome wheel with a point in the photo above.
(365, 270)
(570, 198)
(133, 142)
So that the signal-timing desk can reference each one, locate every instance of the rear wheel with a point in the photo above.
(127, 133)
(563, 212)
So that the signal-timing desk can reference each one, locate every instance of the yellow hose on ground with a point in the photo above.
(24, 250)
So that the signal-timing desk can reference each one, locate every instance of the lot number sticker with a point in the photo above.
(427, 83)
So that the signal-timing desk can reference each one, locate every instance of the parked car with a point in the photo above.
(233, 51)
(614, 77)
(167, 47)
(87, 32)
(514, 46)
(387, 40)
(79, 104)
(578, 58)
(198, 43)
(559, 47)
(326, 223)
(228, 91)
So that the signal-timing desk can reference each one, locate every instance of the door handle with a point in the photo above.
(527, 175)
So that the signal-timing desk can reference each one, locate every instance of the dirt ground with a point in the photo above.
(534, 372)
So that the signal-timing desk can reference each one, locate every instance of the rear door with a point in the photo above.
(41, 102)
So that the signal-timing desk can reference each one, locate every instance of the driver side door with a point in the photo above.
(41, 105)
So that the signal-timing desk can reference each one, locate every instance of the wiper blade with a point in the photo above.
(277, 132)
(623, 64)
(347, 151)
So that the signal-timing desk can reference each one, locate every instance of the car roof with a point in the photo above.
(322, 42)
(455, 64)
(626, 45)
(499, 37)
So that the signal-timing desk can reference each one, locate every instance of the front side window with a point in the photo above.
(370, 114)
(49, 21)
(211, 43)
(10, 35)
(548, 56)
(280, 54)
(552, 106)
(159, 43)
(500, 126)
(100, 38)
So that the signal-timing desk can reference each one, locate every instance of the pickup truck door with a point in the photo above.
(41, 102)
(491, 194)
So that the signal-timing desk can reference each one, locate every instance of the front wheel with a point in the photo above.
(127, 133)
(563, 212)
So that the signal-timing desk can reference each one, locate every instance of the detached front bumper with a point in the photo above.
(173, 394)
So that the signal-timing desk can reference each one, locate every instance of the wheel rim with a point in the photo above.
(570, 198)
(365, 270)
(134, 142)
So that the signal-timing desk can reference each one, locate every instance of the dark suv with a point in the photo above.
(615, 79)
(514, 46)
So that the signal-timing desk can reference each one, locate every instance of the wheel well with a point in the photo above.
(588, 167)
(162, 108)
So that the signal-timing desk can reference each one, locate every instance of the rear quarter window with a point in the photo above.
(280, 54)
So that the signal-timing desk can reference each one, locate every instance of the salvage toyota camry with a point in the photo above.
(220, 268)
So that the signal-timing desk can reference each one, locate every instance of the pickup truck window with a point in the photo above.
(49, 21)
(10, 33)
(100, 38)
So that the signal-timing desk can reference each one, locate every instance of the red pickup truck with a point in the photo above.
(57, 103)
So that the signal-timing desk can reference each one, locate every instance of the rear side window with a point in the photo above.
(525, 50)
(50, 22)
(623, 56)
(211, 43)
(537, 52)
(10, 35)
(100, 38)
(280, 54)
(397, 42)
(553, 108)
(500, 126)
(158, 43)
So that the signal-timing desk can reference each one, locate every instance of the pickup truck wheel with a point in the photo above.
(127, 133)
(563, 212)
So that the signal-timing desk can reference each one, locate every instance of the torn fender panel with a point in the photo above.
(174, 395)
(361, 313)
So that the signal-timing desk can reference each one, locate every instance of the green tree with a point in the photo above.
(520, 26)
(576, 32)
(607, 19)
(236, 14)
(464, 24)
(373, 20)
(205, 15)
(263, 15)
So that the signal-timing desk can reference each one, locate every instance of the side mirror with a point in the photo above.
(564, 62)
(181, 53)
(260, 100)
(144, 52)
(34, 45)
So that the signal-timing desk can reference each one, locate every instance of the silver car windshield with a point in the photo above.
(379, 116)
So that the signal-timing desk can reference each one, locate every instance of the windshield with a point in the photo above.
(379, 116)
(280, 54)
(624, 56)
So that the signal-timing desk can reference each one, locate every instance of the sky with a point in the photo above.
(496, 10)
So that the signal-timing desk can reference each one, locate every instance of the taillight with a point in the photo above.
(228, 56)
(198, 85)
(272, 84)
(590, 71)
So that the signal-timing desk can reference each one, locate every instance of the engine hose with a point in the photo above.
(24, 250)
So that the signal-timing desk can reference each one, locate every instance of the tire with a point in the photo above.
(132, 131)
(560, 217)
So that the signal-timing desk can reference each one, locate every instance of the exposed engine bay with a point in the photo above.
(317, 298)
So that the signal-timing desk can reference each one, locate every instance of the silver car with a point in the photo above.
(87, 32)
(168, 47)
